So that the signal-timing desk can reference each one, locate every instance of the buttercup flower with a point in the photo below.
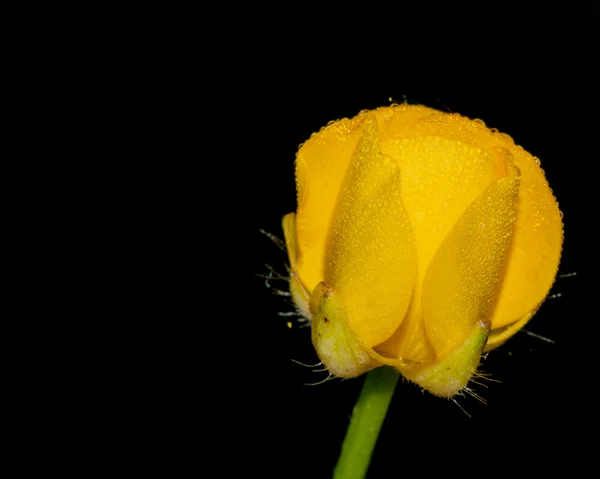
(421, 239)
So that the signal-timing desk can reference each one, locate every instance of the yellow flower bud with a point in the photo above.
(421, 239)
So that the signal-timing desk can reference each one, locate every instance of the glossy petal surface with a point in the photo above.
(462, 279)
(440, 178)
(371, 256)
(321, 165)
(535, 251)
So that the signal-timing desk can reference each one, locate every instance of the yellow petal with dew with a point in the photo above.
(499, 336)
(536, 246)
(321, 165)
(371, 255)
(299, 293)
(288, 225)
(462, 279)
(401, 121)
(440, 178)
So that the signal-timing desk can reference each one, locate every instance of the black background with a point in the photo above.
(195, 155)
(535, 413)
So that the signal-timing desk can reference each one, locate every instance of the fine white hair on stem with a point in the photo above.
(321, 370)
(328, 378)
(485, 376)
(278, 241)
(478, 383)
(286, 314)
(461, 408)
(320, 363)
(539, 336)
(273, 275)
(449, 110)
(561, 276)
(280, 292)
(472, 393)
(567, 275)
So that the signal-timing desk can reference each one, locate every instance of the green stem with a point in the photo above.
(367, 418)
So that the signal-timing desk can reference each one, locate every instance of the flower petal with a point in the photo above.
(321, 165)
(440, 178)
(371, 256)
(462, 279)
(534, 254)
(500, 335)
(299, 293)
